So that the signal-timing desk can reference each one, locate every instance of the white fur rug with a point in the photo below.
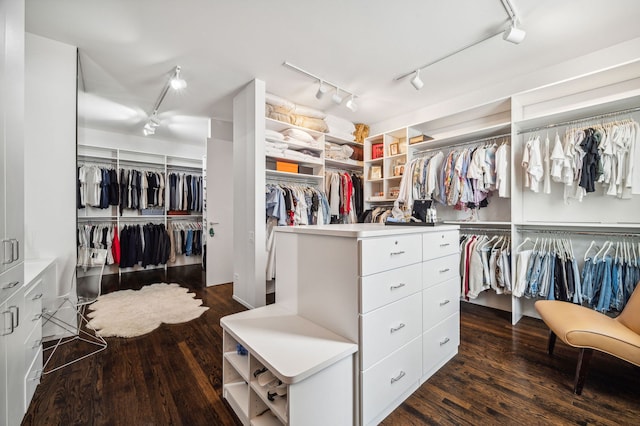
(130, 313)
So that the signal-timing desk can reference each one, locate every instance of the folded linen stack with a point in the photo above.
(341, 128)
(337, 152)
(286, 111)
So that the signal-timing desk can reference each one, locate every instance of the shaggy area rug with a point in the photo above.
(130, 313)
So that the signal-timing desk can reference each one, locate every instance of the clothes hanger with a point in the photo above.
(602, 250)
(592, 245)
(526, 240)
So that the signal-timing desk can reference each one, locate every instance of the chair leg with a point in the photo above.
(552, 342)
(581, 369)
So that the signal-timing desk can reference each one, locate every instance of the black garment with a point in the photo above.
(78, 186)
(104, 188)
(114, 189)
(590, 161)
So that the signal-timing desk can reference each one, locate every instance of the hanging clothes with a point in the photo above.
(485, 263)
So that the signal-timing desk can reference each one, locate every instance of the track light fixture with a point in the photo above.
(512, 34)
(351, 104)
(175, 82)
(324, 86)
(416, 81)
(322, 89)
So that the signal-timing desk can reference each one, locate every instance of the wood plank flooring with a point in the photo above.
(172, 376)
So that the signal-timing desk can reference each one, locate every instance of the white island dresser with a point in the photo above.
(394, 290)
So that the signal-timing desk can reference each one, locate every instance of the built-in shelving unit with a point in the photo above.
(115, 158)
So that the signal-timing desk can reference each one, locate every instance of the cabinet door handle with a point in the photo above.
(15, 249)
(398, 377)
(7, 249)
(444, 302)
(399, 327)
(37, 296)
(10, 322)
(395, 253)
(17, 317)
(445, 341)
(442, 271)
(36, 317)
(397, 286)
(445, 244)
(12, 284)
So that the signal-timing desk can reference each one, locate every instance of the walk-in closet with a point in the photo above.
(258, 213)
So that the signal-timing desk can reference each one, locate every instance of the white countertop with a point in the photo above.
(292, 347)
(33, 267)
(362, 230)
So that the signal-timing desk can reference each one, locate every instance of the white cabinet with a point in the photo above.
(12, 334)
(393, 289)
(11, 134)
(282, 369)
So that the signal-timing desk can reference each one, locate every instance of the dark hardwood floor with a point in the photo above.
(172, 376)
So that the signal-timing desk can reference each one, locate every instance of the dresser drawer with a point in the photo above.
(438, 244)
(441, 269)
(390, 378)
(32, 379)
(33, 301)
(32, 344)
(440, 302)
(382, 254)
(388, 328)
(385, 287)
(440, 342)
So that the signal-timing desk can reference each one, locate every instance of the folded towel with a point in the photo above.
(272, 134)
(298, 134)
(316, 124)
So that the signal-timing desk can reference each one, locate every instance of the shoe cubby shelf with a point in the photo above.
(311, 362)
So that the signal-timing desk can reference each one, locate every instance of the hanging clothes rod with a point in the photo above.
(581, 120)
(568, 232)
(473, 142)
(485, 230)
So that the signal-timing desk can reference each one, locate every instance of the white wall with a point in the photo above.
(50, 154)
(220, 204)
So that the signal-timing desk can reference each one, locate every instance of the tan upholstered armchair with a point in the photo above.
(587, 329)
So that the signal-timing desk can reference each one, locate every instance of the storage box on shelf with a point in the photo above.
(277, 366)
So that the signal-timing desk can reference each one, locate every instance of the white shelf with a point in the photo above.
(292, 347)
(239, 362)
(297, 176)
(306, 162)
(278, 406)
(586, 225)
(444, 139)
(279, 126)
(341, 141)
(266, 419)
(237, 394)
(344, 164)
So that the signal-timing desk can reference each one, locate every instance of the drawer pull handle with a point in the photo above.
(397, 286)
(442, 271)
(11, 285)
(399, 327)
(445, 302)
(398, 377)
(445, 341)
(36, 317)
(395, 253)
(37, 296)
(36, 344)
(445, 244)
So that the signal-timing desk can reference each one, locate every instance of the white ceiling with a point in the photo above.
(128, 49)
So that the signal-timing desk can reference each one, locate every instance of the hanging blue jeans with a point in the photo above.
(617, 286)
(587, 280)
(552, 269)
(189, 244)
(605, 291)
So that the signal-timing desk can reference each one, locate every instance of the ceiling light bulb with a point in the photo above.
(351, 104)
(416, 82)
(321, 90)
(148, 129)
(178, 83)
(336, 97)
(514, 34)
